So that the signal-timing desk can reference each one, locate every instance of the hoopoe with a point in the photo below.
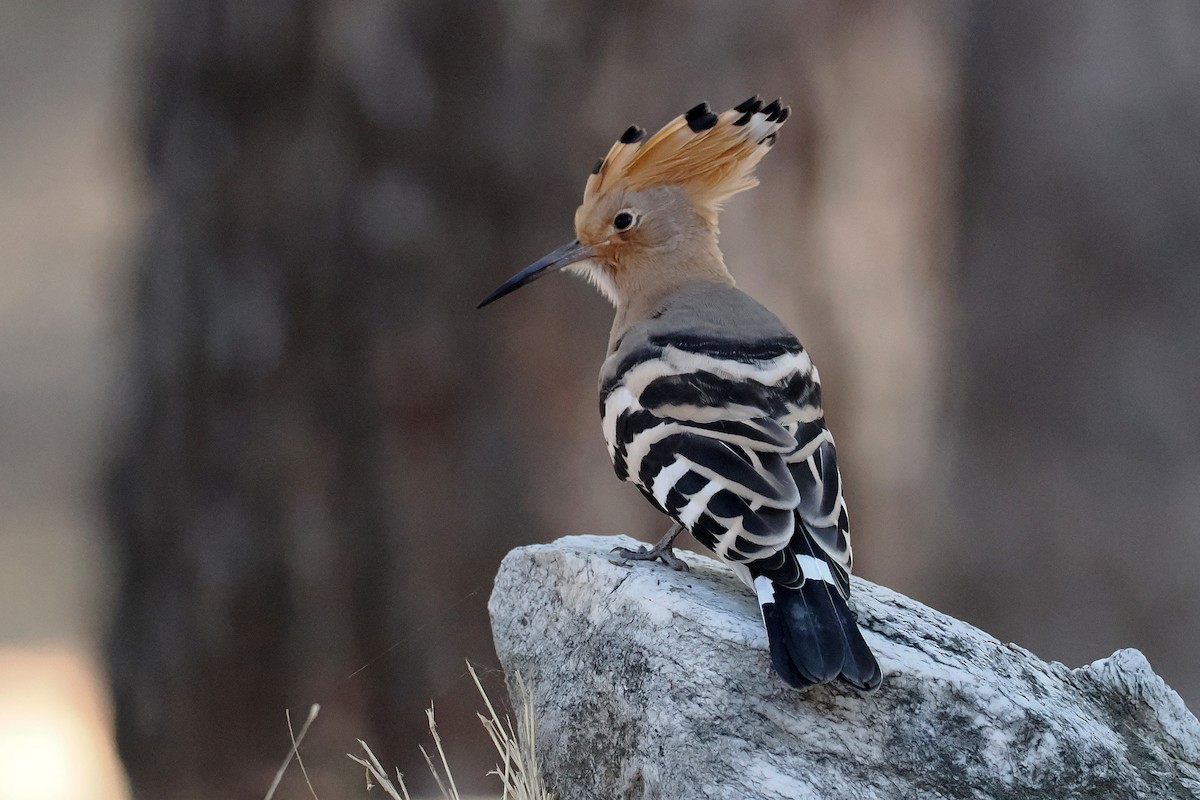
(710, 406)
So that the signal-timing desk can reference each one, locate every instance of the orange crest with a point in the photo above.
(710, 156)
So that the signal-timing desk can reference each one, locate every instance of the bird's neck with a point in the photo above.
(642, 289)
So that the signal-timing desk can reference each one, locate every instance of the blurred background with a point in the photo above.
(258, 450)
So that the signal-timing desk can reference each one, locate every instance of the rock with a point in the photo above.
(650, 683)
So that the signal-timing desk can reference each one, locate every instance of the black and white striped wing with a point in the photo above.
(726, 481)
(701, 427)
(732, 444)
(822, 508)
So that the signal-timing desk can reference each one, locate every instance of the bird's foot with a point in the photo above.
(660, 552)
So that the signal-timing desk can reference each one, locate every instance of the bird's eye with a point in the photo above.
(623, 221)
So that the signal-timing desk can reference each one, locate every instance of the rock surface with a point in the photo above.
(650, 683)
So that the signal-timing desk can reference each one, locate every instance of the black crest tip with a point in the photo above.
(750, 104)
(784, 113)
(700, 118)
(744, 118)
(633, 134)
(772, 110)
(768, 140)
(599, 165)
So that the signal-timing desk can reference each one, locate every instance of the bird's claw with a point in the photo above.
(664, 554)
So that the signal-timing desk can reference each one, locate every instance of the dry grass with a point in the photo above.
(518, 770)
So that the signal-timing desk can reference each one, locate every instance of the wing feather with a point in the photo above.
(729, 439)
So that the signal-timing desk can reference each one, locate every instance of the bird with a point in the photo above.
(709, 404)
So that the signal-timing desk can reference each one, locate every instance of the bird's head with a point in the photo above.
(650, 207)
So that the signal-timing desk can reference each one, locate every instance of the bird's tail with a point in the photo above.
(813, 635)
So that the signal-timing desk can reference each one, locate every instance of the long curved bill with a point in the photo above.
(552, 262)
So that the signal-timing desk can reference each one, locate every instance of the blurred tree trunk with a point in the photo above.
(1077, 465)
(325, 450)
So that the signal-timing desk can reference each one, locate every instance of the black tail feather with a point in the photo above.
(859, 666)
(814, 638)
(780, 659)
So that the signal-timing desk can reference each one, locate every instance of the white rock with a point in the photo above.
(651, 683)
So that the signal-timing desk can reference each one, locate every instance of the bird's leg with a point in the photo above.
(660, 552)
